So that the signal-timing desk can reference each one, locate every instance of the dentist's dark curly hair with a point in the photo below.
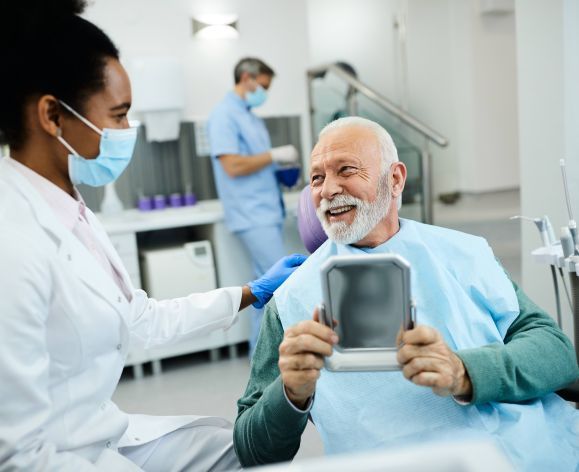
(47, 48)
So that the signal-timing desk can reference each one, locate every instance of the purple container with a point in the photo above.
(175, 200)
(159, 202)
(311, 232)
(145, 204)
(190, 199)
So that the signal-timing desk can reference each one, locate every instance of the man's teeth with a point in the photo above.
(337, 211)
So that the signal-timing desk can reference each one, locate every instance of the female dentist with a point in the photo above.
(68, 309)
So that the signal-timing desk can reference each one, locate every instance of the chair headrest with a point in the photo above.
(309, 226)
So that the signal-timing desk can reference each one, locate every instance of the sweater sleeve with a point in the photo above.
(267, 429)
(535, 359)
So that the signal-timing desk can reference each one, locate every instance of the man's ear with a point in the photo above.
(49, 114)
(398, 173)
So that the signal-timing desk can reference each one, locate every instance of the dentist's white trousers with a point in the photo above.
(198, 448)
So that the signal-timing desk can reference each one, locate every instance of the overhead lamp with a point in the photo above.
(218, 26)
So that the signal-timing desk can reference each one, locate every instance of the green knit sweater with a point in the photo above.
(536, 358)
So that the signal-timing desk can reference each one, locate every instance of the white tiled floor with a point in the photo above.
(193, 385)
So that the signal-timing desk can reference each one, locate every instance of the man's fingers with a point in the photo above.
(305, 343)
(301, 362)
(421, 335)
(313, 328)
(406, 353)
(411, 351)
(426, 379)
(399, 337)
(422, 364)
(316, 316)
(435, 381)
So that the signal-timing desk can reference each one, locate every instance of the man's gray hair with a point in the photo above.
(389, 152)
(253, 66)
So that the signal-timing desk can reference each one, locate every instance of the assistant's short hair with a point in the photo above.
(47, 48)
(253, 66)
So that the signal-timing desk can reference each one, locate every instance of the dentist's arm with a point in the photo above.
(236, 165)
(163, 322)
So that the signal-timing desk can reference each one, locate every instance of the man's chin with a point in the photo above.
(341, 233)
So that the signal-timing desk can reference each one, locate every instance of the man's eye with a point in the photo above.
(348, 170)
(316, 179)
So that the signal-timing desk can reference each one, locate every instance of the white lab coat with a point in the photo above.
(65, 328)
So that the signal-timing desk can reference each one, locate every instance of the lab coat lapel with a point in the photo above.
(74, 254)
(86, 266)
(111, 253)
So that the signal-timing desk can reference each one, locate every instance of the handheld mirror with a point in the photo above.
(367, 302)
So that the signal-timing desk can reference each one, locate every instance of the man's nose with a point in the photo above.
(330, 187)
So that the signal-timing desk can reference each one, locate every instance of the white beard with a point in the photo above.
(368, 215)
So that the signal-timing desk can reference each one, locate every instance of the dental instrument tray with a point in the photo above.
(367, 301)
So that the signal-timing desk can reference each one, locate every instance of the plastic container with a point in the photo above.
(159, 202)
(175, 200)
(190, 199)
(145, 203)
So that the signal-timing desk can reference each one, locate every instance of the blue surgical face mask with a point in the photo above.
(115, 152)
(257, 97)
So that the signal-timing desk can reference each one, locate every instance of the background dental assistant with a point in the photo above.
(244, 167)
(69, 309)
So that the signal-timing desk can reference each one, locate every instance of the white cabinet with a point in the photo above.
(176, 272)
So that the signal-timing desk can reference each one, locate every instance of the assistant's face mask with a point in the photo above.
(257, 97)
(115, 152)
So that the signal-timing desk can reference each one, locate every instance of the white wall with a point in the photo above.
(548, 68)
(485, 103)
(357, 31)
(434, 90)
(274, 31)
(459, 77)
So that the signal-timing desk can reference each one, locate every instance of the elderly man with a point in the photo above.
(483, 359)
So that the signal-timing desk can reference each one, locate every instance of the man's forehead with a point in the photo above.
(346, 144)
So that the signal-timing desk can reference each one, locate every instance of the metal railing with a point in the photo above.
(355, 87)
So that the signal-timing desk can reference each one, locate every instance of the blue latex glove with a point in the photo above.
(264, 287)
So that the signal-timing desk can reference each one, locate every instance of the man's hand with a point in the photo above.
(301, 356)
(428, 361)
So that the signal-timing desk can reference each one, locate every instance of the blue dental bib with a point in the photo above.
(460, 290)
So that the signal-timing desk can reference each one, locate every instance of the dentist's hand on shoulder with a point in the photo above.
(262, 289)
(301, 357)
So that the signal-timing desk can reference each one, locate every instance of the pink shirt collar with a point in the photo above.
(67, 209)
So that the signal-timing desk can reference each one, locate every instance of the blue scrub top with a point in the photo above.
(252, 200)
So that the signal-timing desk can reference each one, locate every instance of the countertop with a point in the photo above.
(204, 212)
